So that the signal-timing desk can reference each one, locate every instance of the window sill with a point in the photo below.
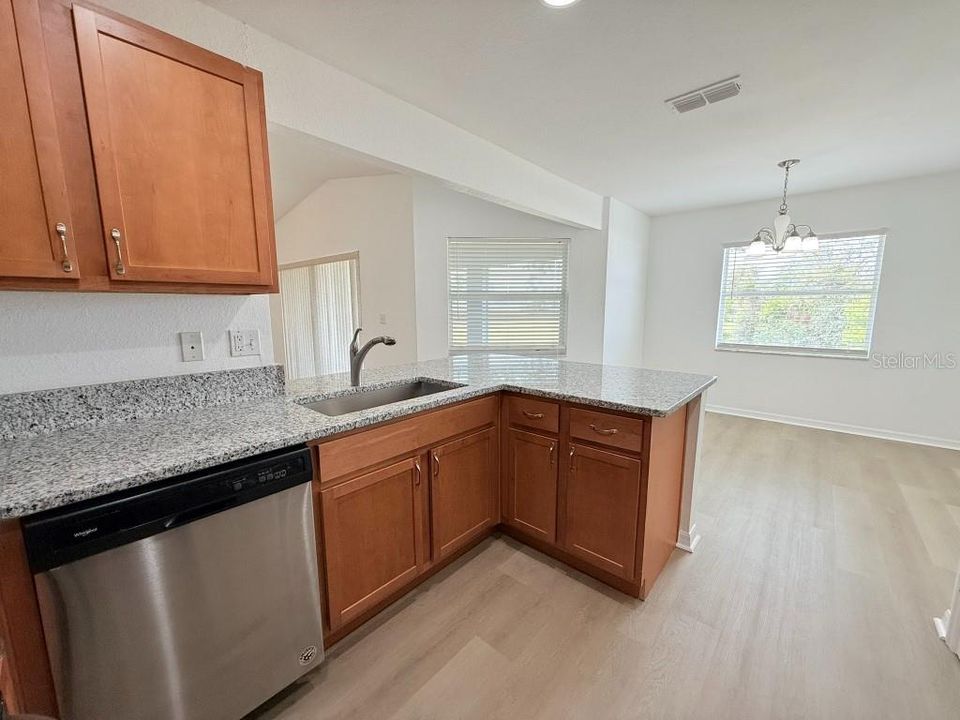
(794, 352)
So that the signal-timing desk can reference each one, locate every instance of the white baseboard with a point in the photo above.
(689, 539)
(948, 443)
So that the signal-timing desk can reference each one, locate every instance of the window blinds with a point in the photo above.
(320, 312)
(507, 295)
(819, 303)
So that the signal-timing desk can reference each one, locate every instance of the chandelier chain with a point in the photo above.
(786, 179)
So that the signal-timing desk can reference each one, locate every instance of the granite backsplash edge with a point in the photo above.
(40, 412)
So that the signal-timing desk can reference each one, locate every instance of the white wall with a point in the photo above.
(439, 213)
(374, 216)
(62, 339)
(311, 96)
(918, 311)
(627, 233)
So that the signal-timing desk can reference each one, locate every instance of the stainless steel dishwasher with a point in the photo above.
(196, 598)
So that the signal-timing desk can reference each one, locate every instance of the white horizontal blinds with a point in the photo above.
(507, 295)
(810, 302)
(320, 312)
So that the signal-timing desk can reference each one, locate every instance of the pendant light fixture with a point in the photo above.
(785, 235)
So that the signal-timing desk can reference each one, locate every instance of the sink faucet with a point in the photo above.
(357, 354)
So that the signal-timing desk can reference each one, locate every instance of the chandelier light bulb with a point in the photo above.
(811, 243)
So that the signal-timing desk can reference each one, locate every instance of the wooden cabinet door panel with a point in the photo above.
(373, 537)
(463, 490)
(530, 497)
(36, 239)
(602, 500)
(180, 155)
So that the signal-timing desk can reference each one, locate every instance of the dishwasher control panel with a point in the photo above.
(64, 534)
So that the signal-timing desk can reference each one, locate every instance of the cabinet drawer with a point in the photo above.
(536, 414)
(607, 429)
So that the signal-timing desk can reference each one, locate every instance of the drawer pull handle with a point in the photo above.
(532, 415)
(416, 483)
(572, 451)
(553, 449)
(436, 465)
(119, 267)
(62, 234)
(604, 431)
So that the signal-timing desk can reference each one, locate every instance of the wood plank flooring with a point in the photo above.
(824, 558)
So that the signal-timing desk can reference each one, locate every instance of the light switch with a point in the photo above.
(244, 342)
(191, 345)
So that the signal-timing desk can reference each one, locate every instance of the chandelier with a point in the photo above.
(785, 236)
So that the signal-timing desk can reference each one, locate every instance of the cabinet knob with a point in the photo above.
(62, 233)
(119, 267)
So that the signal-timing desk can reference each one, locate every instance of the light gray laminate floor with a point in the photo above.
(824, 558)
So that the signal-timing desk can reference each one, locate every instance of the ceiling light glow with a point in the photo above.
(559, 3)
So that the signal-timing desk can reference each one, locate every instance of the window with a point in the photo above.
(818, 303)
(321, 309)
(507, 295)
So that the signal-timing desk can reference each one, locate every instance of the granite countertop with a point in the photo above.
(51, 470)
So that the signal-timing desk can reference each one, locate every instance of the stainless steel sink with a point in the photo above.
(366, 399)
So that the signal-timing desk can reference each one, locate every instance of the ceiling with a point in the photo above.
(860, 90)
(300, 163)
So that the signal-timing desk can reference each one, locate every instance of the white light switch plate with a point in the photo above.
(191, 345)
(244, 342)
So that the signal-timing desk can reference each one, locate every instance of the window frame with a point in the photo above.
(790, 350)
(561, 349)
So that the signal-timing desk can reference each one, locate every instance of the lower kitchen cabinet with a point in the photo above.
(373, 538)
(463, 490)
(530, 484)
(601, 508)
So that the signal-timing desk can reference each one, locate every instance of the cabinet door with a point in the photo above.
(35, 230)
(463, 490)
(373, 537)
(530, 485)
(602, 499)
(179, 147)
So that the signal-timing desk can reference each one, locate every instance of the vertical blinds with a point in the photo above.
(814, 303)
(507, 295)
(321, 308)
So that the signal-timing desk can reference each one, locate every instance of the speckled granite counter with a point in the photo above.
(46, 471)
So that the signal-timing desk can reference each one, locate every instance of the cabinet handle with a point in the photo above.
(416, 483)
(62, 233)
(602, 431)
(436, 465)
(119, 267)
(572, 451)
(532, 415)
(553, 449)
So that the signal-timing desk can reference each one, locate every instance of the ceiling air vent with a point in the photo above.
(715, 92)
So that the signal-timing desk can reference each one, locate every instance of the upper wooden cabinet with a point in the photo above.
(180, 155)
(36, 232)
(130, 160)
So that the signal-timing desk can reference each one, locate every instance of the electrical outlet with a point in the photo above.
(191, 345)
(383, 318)
(244, 342)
